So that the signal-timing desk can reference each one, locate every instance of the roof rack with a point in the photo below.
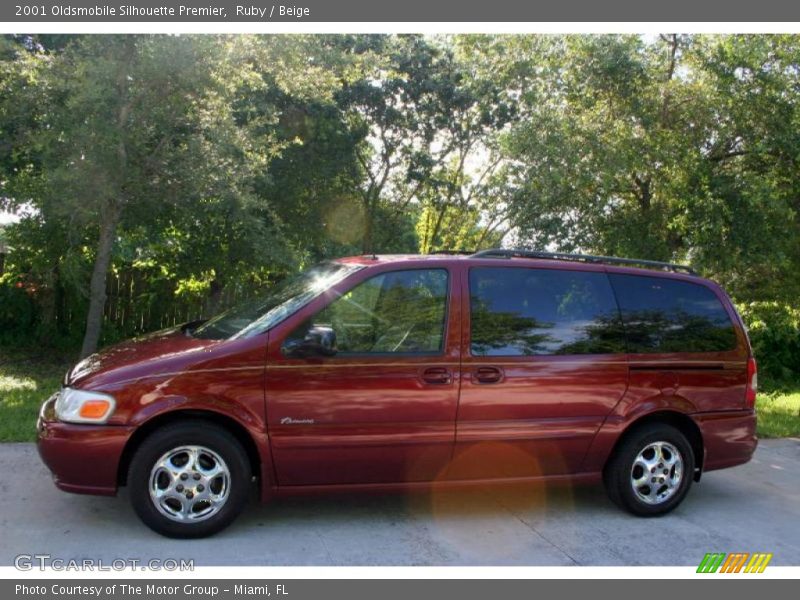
(453, 252)
(585, 258)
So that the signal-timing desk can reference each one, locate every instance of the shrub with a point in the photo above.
(17, 310)
(774, 329)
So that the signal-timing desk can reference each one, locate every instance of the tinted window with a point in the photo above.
(667, 315)
(399, 311)
(541, 311)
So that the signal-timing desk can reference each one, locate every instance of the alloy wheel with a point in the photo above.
(657, 472)
(189, 483)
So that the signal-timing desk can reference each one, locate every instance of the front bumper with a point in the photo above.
(84, 459)
(729, 437)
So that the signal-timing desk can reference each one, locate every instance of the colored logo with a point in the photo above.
(736, 562)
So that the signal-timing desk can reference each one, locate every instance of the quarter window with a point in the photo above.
(522, 312)
(394, 312)
(669, 315)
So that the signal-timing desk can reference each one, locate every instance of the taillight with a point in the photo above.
(752, 383)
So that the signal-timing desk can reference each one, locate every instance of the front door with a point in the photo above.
(383, 408)
(544, 365)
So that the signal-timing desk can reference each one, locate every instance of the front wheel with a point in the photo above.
(189, 480)
(651, 471)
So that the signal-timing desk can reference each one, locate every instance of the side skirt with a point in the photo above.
(423, 486)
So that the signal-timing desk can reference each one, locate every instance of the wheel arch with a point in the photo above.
(158, 421)
(681, 421)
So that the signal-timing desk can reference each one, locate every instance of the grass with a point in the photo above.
(26, 381)
(779, 414)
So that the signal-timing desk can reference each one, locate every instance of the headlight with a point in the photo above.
(80, 406)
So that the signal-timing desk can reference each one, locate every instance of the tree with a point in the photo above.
(396, 108)
(463, 194)
(657, 148)
(161, 154)
(125, 126)
(208, 166)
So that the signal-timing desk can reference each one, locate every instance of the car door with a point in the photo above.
(383, 408)
(544, 364)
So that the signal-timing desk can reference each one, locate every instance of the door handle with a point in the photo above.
(437, 376)
(487, 375)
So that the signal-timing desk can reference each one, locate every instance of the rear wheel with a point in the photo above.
(651, 471)
(189, 480)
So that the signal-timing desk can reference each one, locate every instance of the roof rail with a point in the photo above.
(453, 252)
(586, 258)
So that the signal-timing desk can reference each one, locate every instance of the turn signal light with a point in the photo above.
(94, 409)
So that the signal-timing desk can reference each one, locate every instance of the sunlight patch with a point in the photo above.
(13, 384)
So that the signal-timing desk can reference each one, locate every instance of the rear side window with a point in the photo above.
(524, 312)
(667, 315)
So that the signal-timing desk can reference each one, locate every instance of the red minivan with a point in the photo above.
(381, 372)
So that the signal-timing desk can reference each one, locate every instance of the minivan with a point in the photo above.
(408, 372)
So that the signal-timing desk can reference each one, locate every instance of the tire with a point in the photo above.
(189, 480)
(629, 473)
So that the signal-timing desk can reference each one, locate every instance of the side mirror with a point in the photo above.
(188, 328)
(319, 341)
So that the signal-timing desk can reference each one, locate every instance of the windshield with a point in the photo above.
(281, 300)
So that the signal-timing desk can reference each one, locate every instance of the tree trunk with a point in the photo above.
(369, 224)
(645, 196)
(97, 286)
(215, 297)
(110, 210)
(437, 227)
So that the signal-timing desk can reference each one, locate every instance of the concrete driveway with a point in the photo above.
(755, 507)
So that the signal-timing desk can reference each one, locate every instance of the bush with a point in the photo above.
(774, 329)
(25, 305)
(17, 310)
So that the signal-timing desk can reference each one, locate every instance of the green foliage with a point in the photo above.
(214, 165)
(421, 116)
(774, 330)
(17, 310)
(446, 227)
(676, 148)
(172, 147)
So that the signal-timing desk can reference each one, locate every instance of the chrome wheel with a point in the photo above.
(657, 472)
(189, 483)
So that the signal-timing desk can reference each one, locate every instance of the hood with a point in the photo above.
(160, 352)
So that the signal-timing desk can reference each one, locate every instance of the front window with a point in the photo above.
(391, 313)
(281, 300)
